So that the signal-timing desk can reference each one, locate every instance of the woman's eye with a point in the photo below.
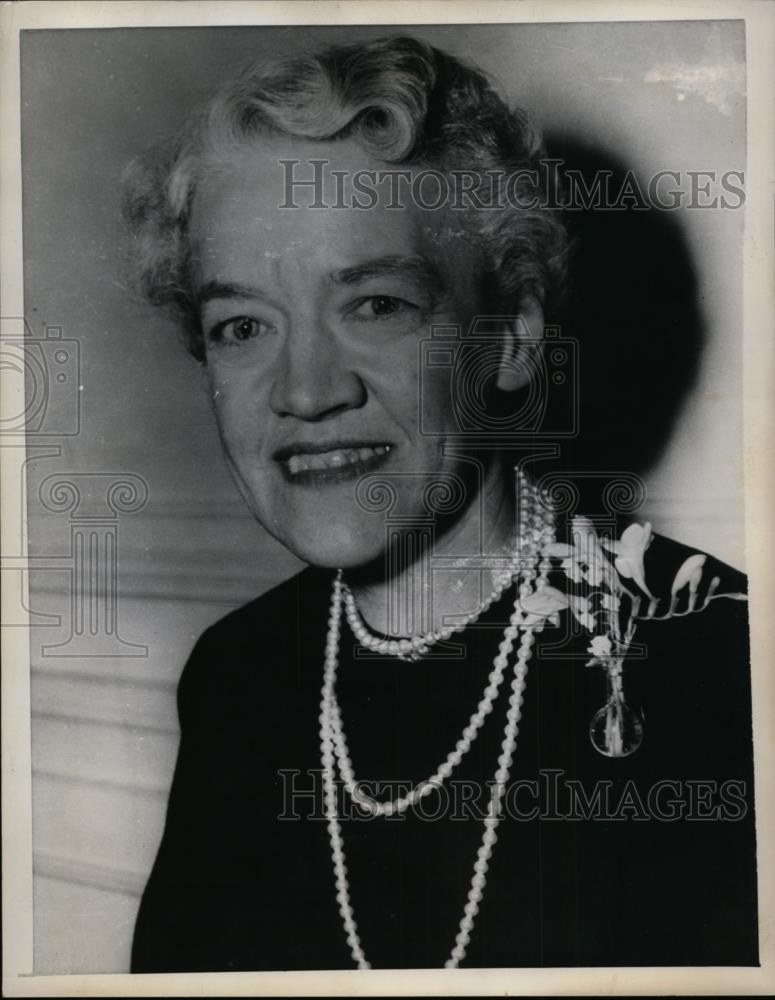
(382, 307)
(237, 331)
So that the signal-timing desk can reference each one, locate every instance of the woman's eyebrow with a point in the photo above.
(216, 289)
(416, 268)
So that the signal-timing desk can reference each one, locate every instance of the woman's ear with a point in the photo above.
(521, 341)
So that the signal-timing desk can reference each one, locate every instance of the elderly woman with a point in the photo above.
(358, 246)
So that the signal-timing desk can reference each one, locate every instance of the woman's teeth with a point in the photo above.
(334, 459)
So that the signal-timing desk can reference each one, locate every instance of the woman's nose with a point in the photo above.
(314, 380)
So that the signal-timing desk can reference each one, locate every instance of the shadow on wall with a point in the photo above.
(633, 308)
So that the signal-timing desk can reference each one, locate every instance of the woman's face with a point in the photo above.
(313, 321)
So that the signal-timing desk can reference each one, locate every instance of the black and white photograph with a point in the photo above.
(386, 434)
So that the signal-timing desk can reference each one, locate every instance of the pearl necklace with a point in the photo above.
(415, 646)
(536, 530)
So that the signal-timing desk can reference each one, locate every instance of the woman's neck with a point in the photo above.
(424, 586)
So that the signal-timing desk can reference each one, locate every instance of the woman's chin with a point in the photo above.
(336, 549)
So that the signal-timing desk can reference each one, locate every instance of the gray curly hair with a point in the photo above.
(405, 102)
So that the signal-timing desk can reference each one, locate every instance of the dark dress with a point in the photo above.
(643, 860)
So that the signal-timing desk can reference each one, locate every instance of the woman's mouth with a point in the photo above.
(319, 466)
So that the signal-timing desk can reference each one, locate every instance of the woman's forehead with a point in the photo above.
(242, 215)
